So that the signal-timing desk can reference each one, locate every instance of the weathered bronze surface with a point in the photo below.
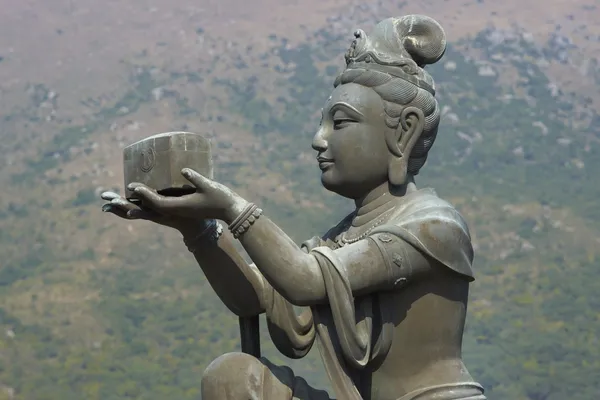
(385, 291)
(157, 161)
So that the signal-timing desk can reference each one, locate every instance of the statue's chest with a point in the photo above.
(346, 233)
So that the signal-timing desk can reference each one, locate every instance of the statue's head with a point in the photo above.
(382, 116)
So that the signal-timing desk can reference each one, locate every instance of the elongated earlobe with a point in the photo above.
(401, 143)
(397, 170)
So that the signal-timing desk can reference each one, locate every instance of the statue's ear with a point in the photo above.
(401, 142)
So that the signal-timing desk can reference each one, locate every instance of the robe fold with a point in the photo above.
(355, 334)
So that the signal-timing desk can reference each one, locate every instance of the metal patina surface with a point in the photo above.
(385, 291)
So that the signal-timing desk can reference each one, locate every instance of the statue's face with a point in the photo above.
(352, 152)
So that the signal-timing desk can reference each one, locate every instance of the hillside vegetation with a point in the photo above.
(96, 308)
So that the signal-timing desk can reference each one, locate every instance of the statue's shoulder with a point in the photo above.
(435, 227)
(425, 206)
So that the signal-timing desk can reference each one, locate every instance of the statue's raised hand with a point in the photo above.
(123, 208)
(211, 200)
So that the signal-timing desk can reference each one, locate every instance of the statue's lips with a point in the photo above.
(324, 163)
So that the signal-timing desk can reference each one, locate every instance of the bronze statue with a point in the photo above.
(384, 291)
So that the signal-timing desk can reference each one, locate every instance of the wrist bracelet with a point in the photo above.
(210, 234)
(242, 223)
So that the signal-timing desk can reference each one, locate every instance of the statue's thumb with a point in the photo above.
(194, 177)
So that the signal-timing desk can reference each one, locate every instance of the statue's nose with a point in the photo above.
(319, 143)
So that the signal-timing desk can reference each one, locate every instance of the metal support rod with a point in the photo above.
(250, 335)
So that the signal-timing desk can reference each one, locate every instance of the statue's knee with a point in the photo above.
(232, 376)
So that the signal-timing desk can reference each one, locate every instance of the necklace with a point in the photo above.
(343, 239)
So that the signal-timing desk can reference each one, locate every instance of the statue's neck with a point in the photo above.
(378, 201)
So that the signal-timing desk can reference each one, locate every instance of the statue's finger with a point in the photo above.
(142, 214)
(124, 204)
(109, 196)
(111, 208)
(150, 198)
(195, 178)
(135, 185)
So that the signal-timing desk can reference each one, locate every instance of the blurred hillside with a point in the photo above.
(96, 308)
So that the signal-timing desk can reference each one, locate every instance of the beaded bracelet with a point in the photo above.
(247, 218)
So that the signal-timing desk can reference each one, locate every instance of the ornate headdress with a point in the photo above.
(400, 47)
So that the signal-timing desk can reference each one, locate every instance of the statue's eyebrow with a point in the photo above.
(347, 107)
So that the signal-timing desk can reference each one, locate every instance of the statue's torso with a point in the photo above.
(428, 318)
(426, 349)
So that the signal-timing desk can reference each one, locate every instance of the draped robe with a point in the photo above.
(353, 334)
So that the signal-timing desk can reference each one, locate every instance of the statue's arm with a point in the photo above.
(298, 276)
(239, 285)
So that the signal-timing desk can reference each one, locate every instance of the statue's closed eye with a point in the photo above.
(342, 120)
(342, 123)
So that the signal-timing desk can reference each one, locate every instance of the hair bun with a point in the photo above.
(419, 37)
(423, 38)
